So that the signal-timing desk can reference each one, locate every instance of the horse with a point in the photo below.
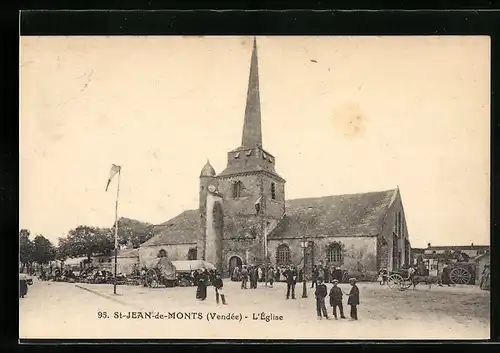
(429, 280)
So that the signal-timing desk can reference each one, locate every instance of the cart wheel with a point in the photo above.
(395, 281)
(152, 278)
(407, 283)
(460, 275)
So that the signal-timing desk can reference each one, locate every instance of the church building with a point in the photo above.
(243, 215)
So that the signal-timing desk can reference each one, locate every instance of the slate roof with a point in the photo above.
(339, 215)
(182, 229)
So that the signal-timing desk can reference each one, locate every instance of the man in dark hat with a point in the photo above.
(218, 285)
(320, 294)
(291, 281)
(353, 300)
(336, 299)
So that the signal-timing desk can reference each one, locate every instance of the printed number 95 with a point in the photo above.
(102, 315)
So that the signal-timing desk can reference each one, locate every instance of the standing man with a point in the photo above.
(244, 277)
(253, 277)
(291, 281)
(353, 300)
(314, 276)
(270, 275)
(336, 300)
(218, 285)
(320, 294)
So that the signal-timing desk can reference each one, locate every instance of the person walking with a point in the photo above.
(218, 285)
(336, 300)
(353, 299)
(320, 294)
(291, 281)
(244, 277)
(270, 276)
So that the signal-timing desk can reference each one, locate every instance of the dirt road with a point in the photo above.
(64, 310)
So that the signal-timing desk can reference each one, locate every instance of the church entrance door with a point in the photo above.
(234, 261)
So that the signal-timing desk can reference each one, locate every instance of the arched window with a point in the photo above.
(334, 253)
(273, 191)
(162, 253)
(237, 186)
(283, 254)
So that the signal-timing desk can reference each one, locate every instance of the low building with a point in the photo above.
(462, 253)
(126, 261)
(481, 260)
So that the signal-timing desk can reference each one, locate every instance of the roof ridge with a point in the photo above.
(337, 195)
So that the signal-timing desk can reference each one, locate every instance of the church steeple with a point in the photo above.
(252, 127)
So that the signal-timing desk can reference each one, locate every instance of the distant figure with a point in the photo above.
(260, 274)
(353, 300)
(23, 285)
(336, 300)
(327, 275)
(270, 276)
(382, 276)
(201, 290)
(218, 285)
(253, 277)
(314, 279)
(445, 275)
(291, 281)
(320, 294)
(236, 274)
(244, 277)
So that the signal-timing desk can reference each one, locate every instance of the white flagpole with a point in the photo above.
(116, 228)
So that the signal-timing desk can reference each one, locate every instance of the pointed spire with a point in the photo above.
(252, 129)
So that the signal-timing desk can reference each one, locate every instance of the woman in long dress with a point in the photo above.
(201, 290)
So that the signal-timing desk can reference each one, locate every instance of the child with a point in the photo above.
(353, 300)
(336, 300)
(218, 284)
(321, 292)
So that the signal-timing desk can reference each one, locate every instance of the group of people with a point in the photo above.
(336, 296)
(203, 278)
(327, 273)
(253, 274)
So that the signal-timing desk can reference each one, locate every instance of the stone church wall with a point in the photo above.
(385, 240)
(359, 253)
(174, 252)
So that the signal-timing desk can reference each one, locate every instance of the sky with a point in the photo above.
(340, 114)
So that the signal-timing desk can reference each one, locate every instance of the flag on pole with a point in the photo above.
(115, 169)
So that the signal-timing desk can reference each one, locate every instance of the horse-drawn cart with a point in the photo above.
(184, 270)
(160, 271)
(399, 279)
(462, 273)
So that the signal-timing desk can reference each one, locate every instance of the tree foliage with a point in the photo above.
(26, 248)
(44, 250)
(86, 241)
(133, 233)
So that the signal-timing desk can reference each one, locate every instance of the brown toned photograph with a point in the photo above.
(268, 187)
